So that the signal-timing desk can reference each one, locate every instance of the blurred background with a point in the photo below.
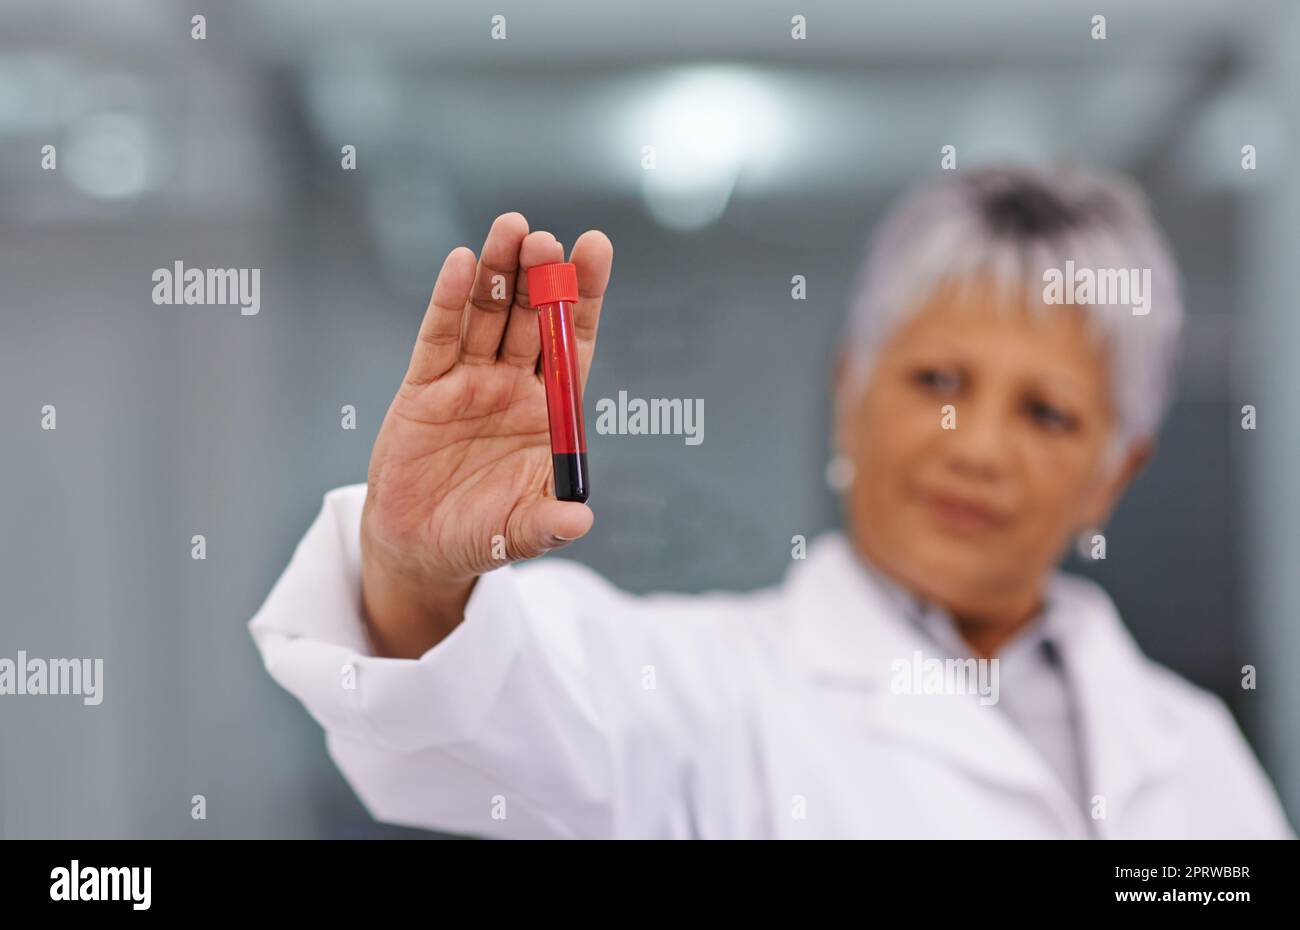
(776, 157)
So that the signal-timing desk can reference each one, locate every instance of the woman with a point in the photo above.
(979, 430)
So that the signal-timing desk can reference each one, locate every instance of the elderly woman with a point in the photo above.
(929, 673)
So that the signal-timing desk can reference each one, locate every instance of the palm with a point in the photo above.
(461, 471)
(454, 460)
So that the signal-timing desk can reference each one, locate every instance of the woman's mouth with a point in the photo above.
(963, 514)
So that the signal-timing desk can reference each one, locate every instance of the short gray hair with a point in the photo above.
(1010, 224)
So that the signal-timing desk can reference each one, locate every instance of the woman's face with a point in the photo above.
(979, 448)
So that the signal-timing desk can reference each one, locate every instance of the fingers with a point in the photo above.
(547, 524)
(593, 253)
(488, 300)
(438, 345)
(494, 285)
(522, 344)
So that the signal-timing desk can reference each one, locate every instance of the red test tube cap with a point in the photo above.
(548, 284)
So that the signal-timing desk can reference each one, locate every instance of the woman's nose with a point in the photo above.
(978, 445)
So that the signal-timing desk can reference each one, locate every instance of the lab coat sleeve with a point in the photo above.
(559, 707)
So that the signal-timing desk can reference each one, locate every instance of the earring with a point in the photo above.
(839, 473)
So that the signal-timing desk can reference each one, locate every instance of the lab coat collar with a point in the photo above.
(850, 622)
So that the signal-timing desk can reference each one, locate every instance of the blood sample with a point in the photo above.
(553, 290)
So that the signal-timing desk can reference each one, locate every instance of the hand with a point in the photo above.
(463, 457)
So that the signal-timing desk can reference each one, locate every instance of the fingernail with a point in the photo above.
(562, 539)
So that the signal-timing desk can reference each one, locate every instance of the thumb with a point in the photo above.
(548, 524)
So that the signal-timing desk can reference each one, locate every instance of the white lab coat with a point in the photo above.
(563, 707)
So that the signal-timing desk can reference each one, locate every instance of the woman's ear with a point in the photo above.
(839, 372)
(839, 376)
(1108, 491)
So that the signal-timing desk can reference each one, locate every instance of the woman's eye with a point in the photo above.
(938, 379)
(1051, 417)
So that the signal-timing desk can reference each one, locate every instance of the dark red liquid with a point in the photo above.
(564, 401)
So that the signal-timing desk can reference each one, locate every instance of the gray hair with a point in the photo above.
(1009, 225)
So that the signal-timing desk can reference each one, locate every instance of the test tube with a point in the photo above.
(553, 290)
